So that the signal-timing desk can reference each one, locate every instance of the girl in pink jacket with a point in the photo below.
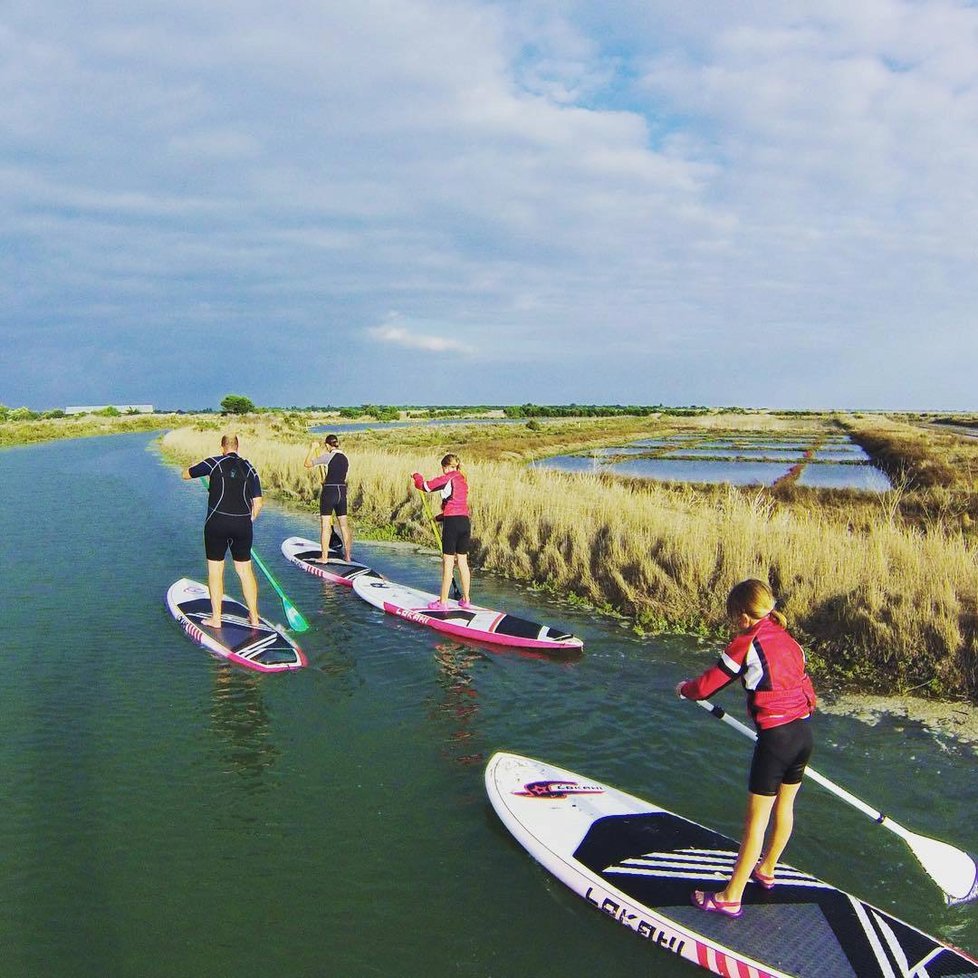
(456, 528)
(780, 698)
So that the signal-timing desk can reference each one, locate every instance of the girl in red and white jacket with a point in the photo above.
(780, 699)
(456, 528)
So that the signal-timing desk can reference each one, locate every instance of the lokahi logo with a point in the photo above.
(557, 789)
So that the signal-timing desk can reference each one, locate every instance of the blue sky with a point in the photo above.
(408, 201)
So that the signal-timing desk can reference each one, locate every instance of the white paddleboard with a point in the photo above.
(264, 647)
(639, 864)
(308, 555)
(480, 624)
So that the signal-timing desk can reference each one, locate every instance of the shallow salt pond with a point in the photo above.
(822, 462)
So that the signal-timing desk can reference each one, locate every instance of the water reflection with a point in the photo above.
(458, 702)
(241, 725)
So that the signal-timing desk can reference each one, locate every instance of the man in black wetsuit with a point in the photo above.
(232, 507)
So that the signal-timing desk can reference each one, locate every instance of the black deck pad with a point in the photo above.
(802, 926)
(458, 616)
(518, 627)
(236, 635)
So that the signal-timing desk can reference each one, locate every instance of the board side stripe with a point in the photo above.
(702, 958)
(886, 968)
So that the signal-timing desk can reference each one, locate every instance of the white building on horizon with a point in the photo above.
(121, 408)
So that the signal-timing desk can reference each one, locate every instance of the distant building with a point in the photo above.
(121, 408)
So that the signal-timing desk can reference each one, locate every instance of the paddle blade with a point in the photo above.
(296, 622)
(954, 871)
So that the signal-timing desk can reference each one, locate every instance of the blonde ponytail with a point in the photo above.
(755, 599)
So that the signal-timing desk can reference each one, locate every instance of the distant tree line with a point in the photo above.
(598, 410)
(26, 414)
(379, 412)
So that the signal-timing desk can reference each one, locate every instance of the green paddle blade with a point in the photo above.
(296, 622)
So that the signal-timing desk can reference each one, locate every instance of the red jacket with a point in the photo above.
(454, 492)
(771, 666)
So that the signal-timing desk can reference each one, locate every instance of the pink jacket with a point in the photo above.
(454, 493)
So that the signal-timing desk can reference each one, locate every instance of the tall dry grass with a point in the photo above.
(877, 602)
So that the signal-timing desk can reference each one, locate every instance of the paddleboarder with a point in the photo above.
(780, 699)
(332, 496)
(233, 504)
(456, 527)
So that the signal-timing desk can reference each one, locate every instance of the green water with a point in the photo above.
(167, 815)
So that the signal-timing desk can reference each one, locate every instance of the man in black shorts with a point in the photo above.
(232, 507)
(332, 498)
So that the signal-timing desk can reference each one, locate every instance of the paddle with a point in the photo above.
(296, 622)
(954, 871)
(292, 614)
(455, 593)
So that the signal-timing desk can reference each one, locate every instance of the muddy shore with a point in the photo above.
(958, 721)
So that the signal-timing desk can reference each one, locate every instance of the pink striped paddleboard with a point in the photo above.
(308, 555)
(264, 648)
(638, 864)
(479, 624)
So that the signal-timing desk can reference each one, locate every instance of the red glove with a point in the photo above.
(418, 480)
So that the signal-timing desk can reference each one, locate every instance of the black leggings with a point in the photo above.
(780, 757)
(456, 535)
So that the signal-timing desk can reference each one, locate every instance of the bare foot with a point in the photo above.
(210, 622)
(254, 622)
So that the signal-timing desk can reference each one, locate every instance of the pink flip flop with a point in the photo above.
(758, 877)
(709, 903)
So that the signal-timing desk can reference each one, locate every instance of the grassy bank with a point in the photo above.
(881, 602)
(30, 432)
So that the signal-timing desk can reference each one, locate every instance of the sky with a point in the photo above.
(764, 204)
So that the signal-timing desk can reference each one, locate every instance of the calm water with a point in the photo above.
(674, 469)
(166, 815)
(832, 475)
(740, 460)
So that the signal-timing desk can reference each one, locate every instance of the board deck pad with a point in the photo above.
(639, 864)
(480, 624)
(307, 554)
(264, 648)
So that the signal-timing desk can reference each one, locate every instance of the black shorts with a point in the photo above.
(221, 532)
(780, 757)
(332, 500)
(456, 534)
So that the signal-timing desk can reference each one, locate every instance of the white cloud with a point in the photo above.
(395, 335)
(614, 194)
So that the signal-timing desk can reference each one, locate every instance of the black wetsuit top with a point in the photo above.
(337, 467)
(234, 484)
